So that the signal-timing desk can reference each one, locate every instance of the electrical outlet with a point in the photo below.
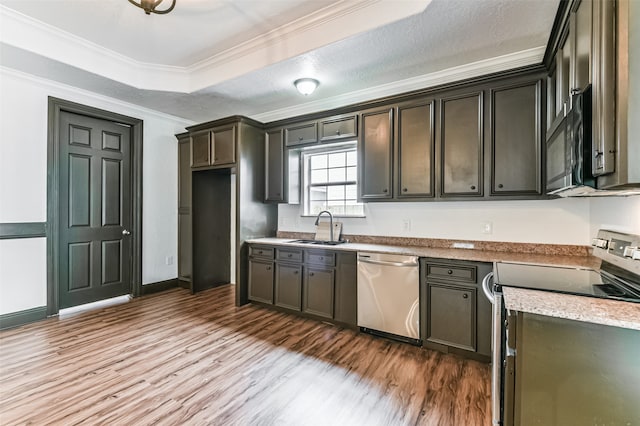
(487, 227)
(168, 260)
(406, 224)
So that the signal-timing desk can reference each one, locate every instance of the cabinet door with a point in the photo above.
(516, 139)
(415, 144)
(301, 134)
(224, 145)
(346, 298)
(338, 128)
(261, 281)
(288, 286)
(317, 292)
(461, 131)
(451, 316)
(201, 149)
(274, 167)
(376, 150)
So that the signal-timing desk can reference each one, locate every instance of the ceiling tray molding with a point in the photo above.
(35, 36)
(325, 26)
(449, 75)
(332, 23)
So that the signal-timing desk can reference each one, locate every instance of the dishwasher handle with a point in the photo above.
(411, 263)
(486, 286)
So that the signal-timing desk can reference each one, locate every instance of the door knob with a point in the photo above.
(125, 232)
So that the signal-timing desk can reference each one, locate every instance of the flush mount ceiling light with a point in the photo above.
(306, 86)
(149, 6)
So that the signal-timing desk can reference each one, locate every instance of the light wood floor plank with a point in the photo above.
(179, 359)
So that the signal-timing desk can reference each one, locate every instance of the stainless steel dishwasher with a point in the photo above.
(388, 295)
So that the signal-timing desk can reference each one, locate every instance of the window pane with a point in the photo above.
(335, 192)
(336, 175)
(319, 161)
(319, 176)
(337, 210)
(338, 159)
(354, 209)
(352, 158)
(316, 207)
(317, 193)
(352, 173)
(351, 192)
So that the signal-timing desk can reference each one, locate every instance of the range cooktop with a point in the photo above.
(618, 277)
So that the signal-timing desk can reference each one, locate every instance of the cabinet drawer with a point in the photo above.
(449, 272)
(320, 258)
(261, 252)
(289, 255)
(297, 135)
(338, 128)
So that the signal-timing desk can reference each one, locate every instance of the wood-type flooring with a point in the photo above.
(173, 358)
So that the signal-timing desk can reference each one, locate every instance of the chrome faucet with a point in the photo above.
(330, 222)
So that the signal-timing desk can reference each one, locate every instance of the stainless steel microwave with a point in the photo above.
(569, 148)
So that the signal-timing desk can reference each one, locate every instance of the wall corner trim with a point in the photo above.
(16, 319)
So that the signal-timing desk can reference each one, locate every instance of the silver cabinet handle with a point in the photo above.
(125, 232)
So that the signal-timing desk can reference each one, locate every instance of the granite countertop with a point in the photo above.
(477, 255)
(580, 308)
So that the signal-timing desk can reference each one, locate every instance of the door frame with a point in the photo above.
(55, 107)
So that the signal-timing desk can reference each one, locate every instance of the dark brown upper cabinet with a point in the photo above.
(340, 127)
(375, 151)
(516, 141)
(415, 136)
(461, 142)
(301, 134)
(216, 147)
(275, 174)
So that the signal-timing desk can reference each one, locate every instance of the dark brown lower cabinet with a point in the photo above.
(317, 291)
(451, 316)
(455, 314)
(261, 281)
(316, 282)
(288, 286)
(346, 289)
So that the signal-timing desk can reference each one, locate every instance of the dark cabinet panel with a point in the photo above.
(274, 167)
(451, 316)
(288, 286)
(376, 152)
(346, 299)
(224, 145)
(301, 134)
(201, 149)
(338, 128)
(461, 132)
(415, 144)
(516, 139)
(184, 209)
(261, 281)
(318, 292)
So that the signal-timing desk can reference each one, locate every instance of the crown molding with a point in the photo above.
(51, 84)
(339, 20)
(449, 75)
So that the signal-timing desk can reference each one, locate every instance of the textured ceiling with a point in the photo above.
(447, 35)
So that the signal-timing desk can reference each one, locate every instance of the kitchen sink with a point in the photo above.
(318, 242)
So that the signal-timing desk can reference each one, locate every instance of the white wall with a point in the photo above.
(23, 181)
(561, 221)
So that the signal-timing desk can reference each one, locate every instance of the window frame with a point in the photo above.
(305, 166)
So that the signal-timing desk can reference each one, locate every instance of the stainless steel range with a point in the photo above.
(618, 278)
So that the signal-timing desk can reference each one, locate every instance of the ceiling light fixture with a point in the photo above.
(149, 6)
(306, 86)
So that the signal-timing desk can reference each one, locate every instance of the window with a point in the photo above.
(330, 181)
